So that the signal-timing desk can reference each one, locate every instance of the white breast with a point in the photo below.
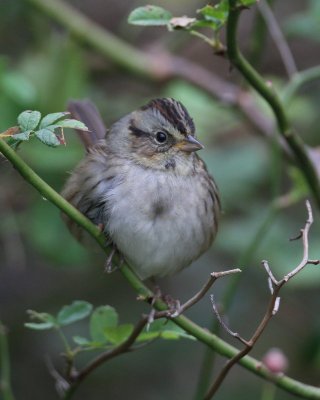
(158, 220)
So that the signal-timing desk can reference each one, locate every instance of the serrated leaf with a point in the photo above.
(217, 15)
(118, 334)
(102, 318)
(22, 136)
(69, 123)
(149, 16)
(50, 119)
(29, 120)
(76, 311)
(47, 137)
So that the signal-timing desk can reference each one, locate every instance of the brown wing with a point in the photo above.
(87, 112)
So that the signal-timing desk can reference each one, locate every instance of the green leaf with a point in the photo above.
(29, 120)
(246, 3)
(47, 321)
(81, 341)
(39, 326)
(102, 318)
(52, 118)
(47, 137)
(69, 123)
(165, 330)
(217, 15)
(118, 334)
(90, 344)
(74, 312)
(204, 24)
(149, 16)
(22, 136)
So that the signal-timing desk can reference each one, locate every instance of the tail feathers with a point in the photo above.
(87, 112)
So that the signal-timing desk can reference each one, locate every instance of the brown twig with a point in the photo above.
(77, 377)
(273, 306)
(198, 296)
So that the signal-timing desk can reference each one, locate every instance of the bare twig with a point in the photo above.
(61, 384)
(265, 264)
(198, 296)
(223, 324)
(278, 37)
(273, 306)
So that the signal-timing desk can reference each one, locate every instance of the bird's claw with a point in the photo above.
(109, 267)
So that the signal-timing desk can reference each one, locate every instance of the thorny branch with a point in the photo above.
(273, 306)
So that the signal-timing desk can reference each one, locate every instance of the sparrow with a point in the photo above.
(144, 184)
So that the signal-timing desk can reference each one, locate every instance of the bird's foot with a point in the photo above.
(109, 266)
(174, 306)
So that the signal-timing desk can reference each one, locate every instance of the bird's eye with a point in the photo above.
(161, 137)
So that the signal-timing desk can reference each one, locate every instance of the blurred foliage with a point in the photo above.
(41, 67)
(305, 24)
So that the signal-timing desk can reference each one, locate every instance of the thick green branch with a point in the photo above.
(212, 341)
(294, 142)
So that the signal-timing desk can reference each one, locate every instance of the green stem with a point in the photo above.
(209, 339)
(205, 38)
(294, 142)
(65, 342)
(5, 377)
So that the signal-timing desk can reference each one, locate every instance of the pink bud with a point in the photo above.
(275, 360)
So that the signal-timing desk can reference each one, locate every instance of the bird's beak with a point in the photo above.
(189, 144)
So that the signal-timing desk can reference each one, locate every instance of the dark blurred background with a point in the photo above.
(43, 268)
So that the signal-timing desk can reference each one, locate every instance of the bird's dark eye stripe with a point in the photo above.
(137, 132)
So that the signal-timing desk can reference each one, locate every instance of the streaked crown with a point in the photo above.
(174, 112)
